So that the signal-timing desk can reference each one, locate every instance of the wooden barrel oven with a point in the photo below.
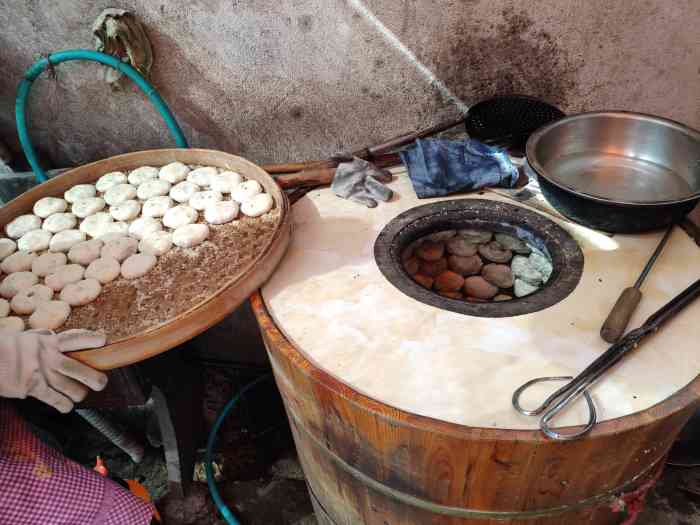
(367, 462)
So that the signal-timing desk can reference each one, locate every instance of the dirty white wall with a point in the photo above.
(281, 80)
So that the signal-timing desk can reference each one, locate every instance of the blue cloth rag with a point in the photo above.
(440, 167)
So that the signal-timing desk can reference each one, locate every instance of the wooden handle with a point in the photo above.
(313, 177)
(307, 178)
(292, 167)
(620, 315)
(407, 138)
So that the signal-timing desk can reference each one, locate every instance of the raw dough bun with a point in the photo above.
(49, 315)
(157, 243)
(202, 176)
(104, 269)
(7, 248)
(190, 235)
(110, 180)
(221, 212)
(174, 172)
(48, 206)
(11, 325)
(183, 191)
(65, 240)
(35, 241)
(258, 205)
(153, 188)
(59, 222)
(16, 282)
(85, 252)
(48, 263)
(120, 249)
(4, 307)
(138, 265)
(80, 191)
(18, 262)
(71, 273)
(142, 174)
(22, 225)
(246, 191)
(84, 207)
(157, 206)
(202, 199)
(95, 225)
(144, 226)
(226, 181)
(119, 193)
(126, 211)
(114, 229)
(82, 292)
(26, 301)
(113, 236)
(179, 216)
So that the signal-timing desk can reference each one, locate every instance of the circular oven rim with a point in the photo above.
(567, 256)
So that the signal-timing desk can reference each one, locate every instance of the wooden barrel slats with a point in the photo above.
(369, 463)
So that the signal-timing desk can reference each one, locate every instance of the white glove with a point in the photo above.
(361, 181)
(32, 364)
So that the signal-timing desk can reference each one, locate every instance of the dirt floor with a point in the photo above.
(260, 477)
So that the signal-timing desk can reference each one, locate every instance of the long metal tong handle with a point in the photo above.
(578, 386)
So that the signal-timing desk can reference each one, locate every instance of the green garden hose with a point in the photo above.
(94, 56)
(209, 457)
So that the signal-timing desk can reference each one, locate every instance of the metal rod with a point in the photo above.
(653, 257)
(579, 385)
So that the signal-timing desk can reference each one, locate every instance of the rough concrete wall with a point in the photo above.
(277, 80)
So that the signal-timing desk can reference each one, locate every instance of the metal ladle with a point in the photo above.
(579, 385)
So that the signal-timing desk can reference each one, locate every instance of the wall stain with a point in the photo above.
(306, 23)
(508, 57)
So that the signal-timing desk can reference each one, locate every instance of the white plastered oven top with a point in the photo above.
(330, 300)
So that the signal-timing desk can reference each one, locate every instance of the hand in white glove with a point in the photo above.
(32, 364)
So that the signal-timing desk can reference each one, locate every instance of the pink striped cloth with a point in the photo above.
(39, 486)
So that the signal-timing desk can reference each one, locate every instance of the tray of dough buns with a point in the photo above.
(150, 248)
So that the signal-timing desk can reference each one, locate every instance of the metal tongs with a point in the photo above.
(578, 386)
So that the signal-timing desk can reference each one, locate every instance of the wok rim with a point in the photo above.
(630, 115)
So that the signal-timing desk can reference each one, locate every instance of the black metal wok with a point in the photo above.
(617, 171)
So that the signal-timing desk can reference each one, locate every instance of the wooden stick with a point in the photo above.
(293, 167)
(313, 177)
(374, 153)
(307, 178)
(407, 138)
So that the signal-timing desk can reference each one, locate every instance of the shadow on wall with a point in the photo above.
(508, 57)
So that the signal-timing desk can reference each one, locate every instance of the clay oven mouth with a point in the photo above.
(442, 253)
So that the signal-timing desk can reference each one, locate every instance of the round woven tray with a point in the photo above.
(258, 265)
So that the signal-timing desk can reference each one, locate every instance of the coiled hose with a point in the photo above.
(93, 56)
(213, 490)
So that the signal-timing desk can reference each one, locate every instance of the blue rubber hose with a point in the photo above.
(94, 56)
(213, 490)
